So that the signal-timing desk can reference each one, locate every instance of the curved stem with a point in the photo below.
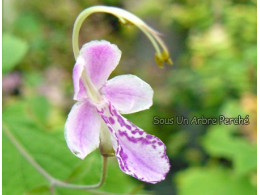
(85, 187)
(123, 16)
(54, 182)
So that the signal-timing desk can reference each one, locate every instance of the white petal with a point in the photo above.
(128, 93)
(82, 129)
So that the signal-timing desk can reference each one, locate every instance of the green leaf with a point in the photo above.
(245, 157)
(39, 107)
(33, 78)
(49, 150)
(218, 142)
(14, 49)
(212, 181)
(39, 190)
(221, 142)
(17, 175)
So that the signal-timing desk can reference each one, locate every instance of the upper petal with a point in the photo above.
(100, 59)
(139, 154)
(82, 129)
(128, 93)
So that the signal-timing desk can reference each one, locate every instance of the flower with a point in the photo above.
(96, 121)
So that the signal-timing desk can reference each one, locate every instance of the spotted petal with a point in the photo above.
(82, 129)
(100, 59)
(139, 154)
(128, 93)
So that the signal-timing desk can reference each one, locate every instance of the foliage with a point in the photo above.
(14, 50)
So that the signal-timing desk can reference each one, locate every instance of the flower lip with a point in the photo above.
(139, 154)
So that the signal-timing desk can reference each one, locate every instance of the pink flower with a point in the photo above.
(96, 121)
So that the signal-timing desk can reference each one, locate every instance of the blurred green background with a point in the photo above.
(213, 46)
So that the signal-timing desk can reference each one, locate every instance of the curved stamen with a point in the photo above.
(125, 17)
(94, 95)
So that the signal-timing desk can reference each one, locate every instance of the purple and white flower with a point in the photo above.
(96, 121)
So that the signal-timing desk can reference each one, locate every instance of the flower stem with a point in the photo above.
(53, 181)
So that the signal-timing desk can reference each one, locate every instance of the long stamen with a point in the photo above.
(92, 91)
(125, 17)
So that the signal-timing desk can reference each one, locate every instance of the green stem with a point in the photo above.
(54, 182)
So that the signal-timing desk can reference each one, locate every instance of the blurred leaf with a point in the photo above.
(33, 79)
(213, 181)
(16, 113)
(245, 157)
(28, 24)
(14, 49)
(218, 142)
(176, 142)
(221, 142)
(39, 108)
(39, 190)
(232, 108)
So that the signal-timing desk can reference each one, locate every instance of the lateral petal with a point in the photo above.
(128, 93)
(82, 129)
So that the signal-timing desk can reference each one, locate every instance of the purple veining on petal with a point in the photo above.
(110, 110)
(134, 131)
(110, 129)
(121, 121)
(141, 132)
(128, 127)
(122, 159)
(160, 143)
(111, 120)
(105, 119)
(139, 154)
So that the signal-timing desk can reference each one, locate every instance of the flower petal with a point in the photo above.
(101, 58)
(82, 129)
(139, 154)
(128, 93)
(80, 92)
